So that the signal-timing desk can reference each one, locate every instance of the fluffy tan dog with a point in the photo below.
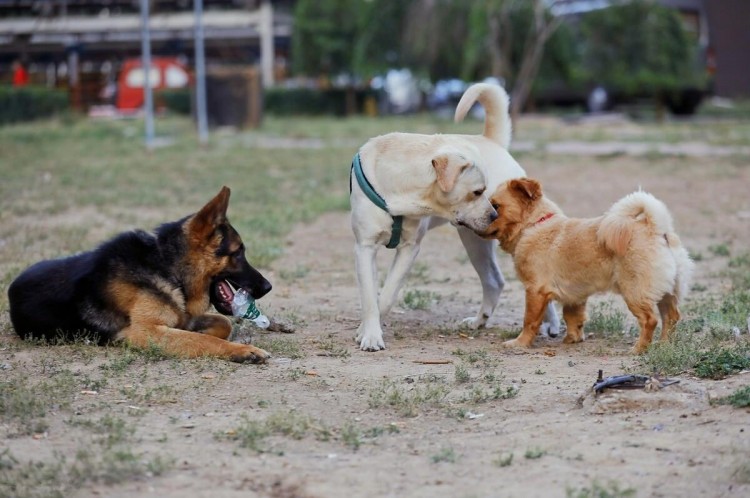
(631, 250)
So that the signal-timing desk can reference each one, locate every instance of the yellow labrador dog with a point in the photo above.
(403, 184)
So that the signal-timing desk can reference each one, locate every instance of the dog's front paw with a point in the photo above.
(369, 340)
(572, 338)
(368, 343)
(250, 354)
(515, 343)
(474, 322)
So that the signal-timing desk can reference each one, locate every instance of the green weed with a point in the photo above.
(604, 318)
(534, 453)
(408, 401)
(739, 399)
(415, 299)
(504, 460)
(597, 490)
(281, 347)
(445, 455)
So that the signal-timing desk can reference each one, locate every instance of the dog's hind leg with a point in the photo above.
(644, 312)
(370, 333)
(483, 256)
(670, 315)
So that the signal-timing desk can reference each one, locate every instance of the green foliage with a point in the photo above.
(639, 47)
(178, 101)
(739, 399)
(306, 101)
(445, 455)
(415, 299)
(720, 362)
(29, 103)
(598, 490)
(344, 36)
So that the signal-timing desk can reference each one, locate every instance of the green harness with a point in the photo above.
(376, 199)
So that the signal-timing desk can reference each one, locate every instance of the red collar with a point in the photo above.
(544, 218)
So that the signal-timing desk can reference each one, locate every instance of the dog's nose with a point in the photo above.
(493, 216)
(262, 289)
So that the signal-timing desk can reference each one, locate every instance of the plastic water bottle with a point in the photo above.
(244, 306)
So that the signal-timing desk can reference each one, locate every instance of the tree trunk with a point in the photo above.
(539, 32)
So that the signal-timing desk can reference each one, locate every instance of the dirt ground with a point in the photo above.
(673, 442)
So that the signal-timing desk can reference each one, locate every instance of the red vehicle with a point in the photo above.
(165, 73)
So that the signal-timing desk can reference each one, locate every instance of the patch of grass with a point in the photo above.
(333, 348)
(722, 361)
(281, 347)
(606, 319)
(252, 434)
(113, 430)
(25, 405)
(534, 453)
(598, 490)
(461, 374)
(109, 462)
(415, 299)
(119, 360)
(408, 401)
(504, 460)
(739, 399)
(445, 455)
(719, 250)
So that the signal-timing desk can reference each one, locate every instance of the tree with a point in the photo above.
(360, 37)
(639, 48)
(513, 35)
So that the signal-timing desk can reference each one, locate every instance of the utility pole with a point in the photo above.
(146, 67)
(200, 74)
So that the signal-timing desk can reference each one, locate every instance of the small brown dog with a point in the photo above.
(631, 250)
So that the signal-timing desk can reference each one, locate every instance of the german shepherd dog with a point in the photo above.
(146, 289)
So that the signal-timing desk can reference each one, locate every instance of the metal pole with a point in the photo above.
(200, 74)
(146, 67)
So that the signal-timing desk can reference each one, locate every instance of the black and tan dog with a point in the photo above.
(146, 289)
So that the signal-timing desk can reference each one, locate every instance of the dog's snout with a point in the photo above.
(493, 215)
(262, 289)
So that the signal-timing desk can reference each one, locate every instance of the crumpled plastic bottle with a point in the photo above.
(243, 306)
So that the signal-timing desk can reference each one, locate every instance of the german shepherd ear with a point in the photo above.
(211, 215)
(447, 168)
(528, 188)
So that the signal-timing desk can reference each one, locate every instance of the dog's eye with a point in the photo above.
(496, 207)
(479, 192)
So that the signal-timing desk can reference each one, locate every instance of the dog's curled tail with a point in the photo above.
(494, 99)
(623, 218)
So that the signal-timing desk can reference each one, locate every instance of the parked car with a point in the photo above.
(166, 73)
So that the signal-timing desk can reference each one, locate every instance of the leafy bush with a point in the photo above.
(295, 101)
(639, 48)
(29, 103)
(178, 101)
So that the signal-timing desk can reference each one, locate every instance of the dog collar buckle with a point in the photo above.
(376, 199)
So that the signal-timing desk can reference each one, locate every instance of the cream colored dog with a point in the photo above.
(631, 250)
(417, 182)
